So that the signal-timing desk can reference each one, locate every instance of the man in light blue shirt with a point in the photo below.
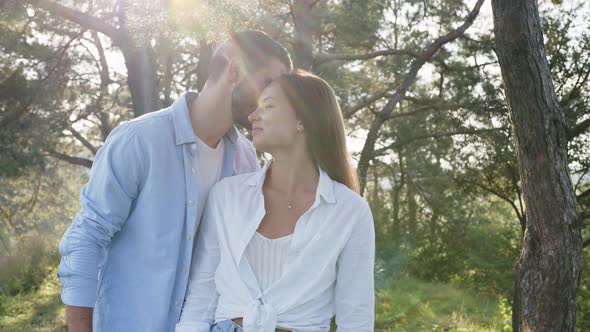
(126, 256)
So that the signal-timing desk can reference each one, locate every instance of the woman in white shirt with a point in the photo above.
(290, 246)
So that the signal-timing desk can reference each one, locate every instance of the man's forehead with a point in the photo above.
(229, 49)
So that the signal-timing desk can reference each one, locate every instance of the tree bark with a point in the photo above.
(141, 79)
(304, 21)
(548, 270)
(412, 214)
(142, 68)
(398, 186)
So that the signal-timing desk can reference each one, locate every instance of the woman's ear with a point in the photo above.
(300, 127)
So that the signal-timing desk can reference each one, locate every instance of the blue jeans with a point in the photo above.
(226, 326)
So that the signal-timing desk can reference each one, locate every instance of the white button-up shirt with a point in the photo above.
(329, 270)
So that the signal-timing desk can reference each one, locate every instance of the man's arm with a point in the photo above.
(106, 200)
(79, 319)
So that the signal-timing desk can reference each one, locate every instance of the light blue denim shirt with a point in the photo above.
(128, 250)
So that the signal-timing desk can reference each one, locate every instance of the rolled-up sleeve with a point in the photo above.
(106, 200)
(355, 293)
(198, 312)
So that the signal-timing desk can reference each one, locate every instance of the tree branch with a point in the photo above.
(347, 113)
(367, 152)
(105, 126)
(34, 196)
(325, 57)
(519, 213)
(584, 194)
(72, 160)
(578, 129)
(104, 67)
(83, 140)
(430, 51)
(83, 19)
(424, 108)
(464, 131)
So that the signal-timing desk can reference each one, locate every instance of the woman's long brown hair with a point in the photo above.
(316, 107)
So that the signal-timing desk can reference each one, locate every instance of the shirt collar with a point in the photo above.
(324, 190)
(182, 122)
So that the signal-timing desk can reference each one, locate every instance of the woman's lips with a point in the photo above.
(256, 130)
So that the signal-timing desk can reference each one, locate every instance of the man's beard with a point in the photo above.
(242, 105)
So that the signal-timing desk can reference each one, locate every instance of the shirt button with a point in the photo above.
(188, 237)
(183, 270)
(194, 146)
(190, 202)
(194, 171)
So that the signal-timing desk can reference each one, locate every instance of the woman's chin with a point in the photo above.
(259, 144)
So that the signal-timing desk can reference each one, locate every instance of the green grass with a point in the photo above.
(408, 305)
(40, 310)
(412, 305)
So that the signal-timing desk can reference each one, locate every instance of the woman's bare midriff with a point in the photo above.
(239, 322)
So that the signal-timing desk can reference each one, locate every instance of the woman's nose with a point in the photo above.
(253, 116)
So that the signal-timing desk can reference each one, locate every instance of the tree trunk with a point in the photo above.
(412, 213)
(305, 21)
(548, 270)
(396, 191)
(141, 78)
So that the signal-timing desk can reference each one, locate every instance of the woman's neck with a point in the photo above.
(292, 172)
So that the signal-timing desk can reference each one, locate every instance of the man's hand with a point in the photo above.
(79, 319)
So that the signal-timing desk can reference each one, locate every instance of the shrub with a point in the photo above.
(23, 268)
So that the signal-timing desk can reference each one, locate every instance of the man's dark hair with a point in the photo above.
(255, 48)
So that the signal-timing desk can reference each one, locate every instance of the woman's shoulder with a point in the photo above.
(347, 197)
(234, 185)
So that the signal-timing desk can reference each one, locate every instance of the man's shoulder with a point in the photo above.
(154, 122)
(152, 126)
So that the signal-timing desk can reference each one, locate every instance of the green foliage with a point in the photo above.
(26, 267)
(39, 311)
(477, 254)
(39, 204)
(435, 307)
(349, 20)
(488, 264)
(32, 85)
